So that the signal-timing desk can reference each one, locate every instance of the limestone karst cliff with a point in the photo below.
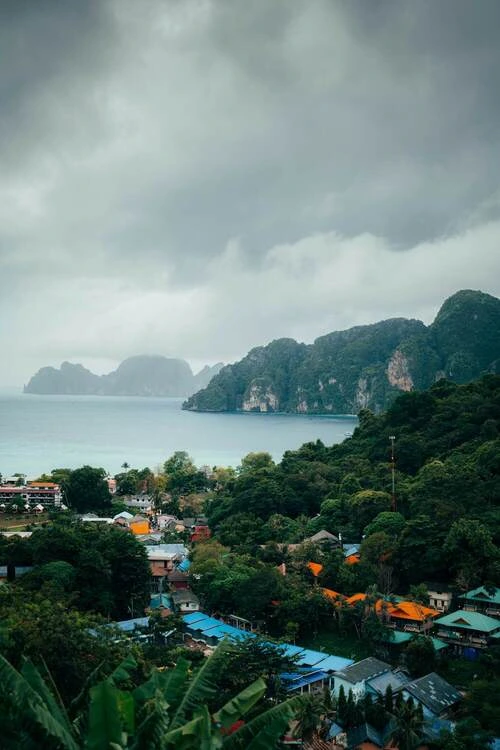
(363, 367)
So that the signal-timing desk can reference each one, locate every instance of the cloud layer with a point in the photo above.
(196, 177)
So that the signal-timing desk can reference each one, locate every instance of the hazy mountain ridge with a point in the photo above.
(142, 375)
(365, 366)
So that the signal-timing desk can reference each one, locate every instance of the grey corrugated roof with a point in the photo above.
(380, 683)
(363, 670)
(433, 692)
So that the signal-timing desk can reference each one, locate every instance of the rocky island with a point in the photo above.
(144, 375)
(363, 367)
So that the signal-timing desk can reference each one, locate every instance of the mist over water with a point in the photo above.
(39, 433)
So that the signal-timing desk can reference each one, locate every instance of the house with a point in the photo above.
(162, 560)
(141, 502)
(351, 553)
(199, 533)
(45, 493)
(411, 616)
(378, 685)
(355, 676)
(178, 579)
(324, 537)
(139, 525)
(467, 631)
(161, 603)
(315, 681)
(482, 599)
(394, 645)
(439, 597)
(436, 696)
(185, 601)
(125, 515)
(315, 568)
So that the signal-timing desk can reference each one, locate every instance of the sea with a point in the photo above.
(40, 433)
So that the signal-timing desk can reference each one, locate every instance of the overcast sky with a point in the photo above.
(197, 177)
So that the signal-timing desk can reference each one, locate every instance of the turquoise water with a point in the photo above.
(39, 433)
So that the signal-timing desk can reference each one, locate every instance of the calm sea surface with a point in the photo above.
(39, 433)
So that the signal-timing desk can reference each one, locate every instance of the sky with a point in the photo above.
(197, 177)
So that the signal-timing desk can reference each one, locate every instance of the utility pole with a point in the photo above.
(392, 438)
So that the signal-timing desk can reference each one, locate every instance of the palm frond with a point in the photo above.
(55, 705)
(201, 687)
(283, 712)
(170, 684)
(37, 717)
(105, 725)
(240, 704)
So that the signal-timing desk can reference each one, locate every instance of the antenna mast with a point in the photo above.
(392, 438)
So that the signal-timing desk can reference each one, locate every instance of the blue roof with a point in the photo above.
(289, 649)
(129, 625)
(333, 663)
(351, 549)
(160, 600)
(207, 624)
(334, 730)
(300, 680)
(193, 617)
(310, 658)
(184, 565)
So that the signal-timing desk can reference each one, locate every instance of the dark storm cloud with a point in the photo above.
(161, 159)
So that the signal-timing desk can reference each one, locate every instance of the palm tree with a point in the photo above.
(168, 711)
(405, 726)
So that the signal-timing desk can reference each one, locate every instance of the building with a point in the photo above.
(324, 537)
(162, 560)
(161, 603)
(178, 579)
(199, 533)
(466, 631)
(139, 502)
(436, 696)
(48, 494)
(139, 525)
(378, 685)
(355, 676)
(185, 601)
(482, 599)
(439, 598)
(410, 617)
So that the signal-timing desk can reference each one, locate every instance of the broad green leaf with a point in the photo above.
(122, 671)
(104, 717)
(240, 704)
(241, 739)
(201, 687)
(55, 705)
(185, 737)
(126, 705)
(268, 737)
(169, 683)
(16, 692)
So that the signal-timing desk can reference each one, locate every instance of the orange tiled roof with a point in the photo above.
(315, 568)
(330, 593)
(412, 611)
(356, 598)
(352, 559)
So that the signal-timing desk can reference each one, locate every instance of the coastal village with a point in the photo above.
(460, 626)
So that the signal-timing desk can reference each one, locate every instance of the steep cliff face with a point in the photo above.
(363, 367)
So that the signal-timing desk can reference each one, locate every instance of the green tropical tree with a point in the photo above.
(405, 726)
(168, 711)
